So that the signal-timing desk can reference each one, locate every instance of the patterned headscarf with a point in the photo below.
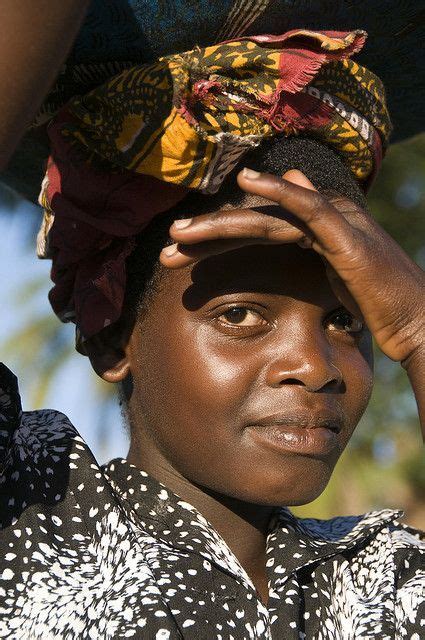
(133, 147)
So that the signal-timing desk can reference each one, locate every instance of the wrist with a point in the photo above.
(415, 359)
(415, 368)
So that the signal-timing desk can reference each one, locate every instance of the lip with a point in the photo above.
(305, 434)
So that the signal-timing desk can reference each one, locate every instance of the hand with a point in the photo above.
(368, 270)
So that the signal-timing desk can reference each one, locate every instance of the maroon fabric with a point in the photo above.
(100, 213)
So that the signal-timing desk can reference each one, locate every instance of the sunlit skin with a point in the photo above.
(244, 327)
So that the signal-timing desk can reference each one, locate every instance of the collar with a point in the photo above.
(309, 540)
(168, 518)
(292, 543)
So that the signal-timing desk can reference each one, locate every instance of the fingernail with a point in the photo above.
(170, 250)
(250, 174)
(181, 224)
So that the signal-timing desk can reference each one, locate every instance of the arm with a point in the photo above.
(35, 39)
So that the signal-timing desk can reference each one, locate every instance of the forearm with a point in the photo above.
(415, 367)
(36, 37)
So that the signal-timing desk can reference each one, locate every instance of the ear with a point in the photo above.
(108, 355)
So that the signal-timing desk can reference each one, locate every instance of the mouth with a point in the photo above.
(310, 434)
(333, 422)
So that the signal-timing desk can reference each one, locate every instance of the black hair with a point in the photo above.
(321, 164)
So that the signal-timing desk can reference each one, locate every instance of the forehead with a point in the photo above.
(268, 270)
(279, 270)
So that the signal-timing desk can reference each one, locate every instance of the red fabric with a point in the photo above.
(98, 215)
(297, 62)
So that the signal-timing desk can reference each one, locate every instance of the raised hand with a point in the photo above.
(369, 271)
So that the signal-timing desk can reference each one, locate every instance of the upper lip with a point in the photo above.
(304, 420)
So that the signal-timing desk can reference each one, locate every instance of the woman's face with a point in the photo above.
(248, 376)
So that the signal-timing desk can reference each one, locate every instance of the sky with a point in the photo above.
(73, 389)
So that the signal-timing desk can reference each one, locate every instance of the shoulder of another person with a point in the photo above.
(28, 435)
(44, 462)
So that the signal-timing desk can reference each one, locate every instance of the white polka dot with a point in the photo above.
(188, 623)
(7, 574)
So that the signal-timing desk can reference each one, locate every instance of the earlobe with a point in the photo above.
(117, 373)
(110, 361)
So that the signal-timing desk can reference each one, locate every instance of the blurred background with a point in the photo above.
(383, 466)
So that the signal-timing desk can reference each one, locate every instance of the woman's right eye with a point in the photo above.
(242, 317)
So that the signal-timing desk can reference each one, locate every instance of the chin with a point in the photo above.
(290, 489)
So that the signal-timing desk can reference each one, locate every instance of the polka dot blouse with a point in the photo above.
(107, 552)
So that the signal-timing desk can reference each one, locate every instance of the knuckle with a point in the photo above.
(212, 218)
(317, 205)
(281, 188)
(218, 223)
(268, 227)
(251, 223)
(231, 224)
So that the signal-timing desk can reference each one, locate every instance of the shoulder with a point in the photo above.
(29, 437)
(363, 526)
(45, 465)
(375, 544)
(378, 560)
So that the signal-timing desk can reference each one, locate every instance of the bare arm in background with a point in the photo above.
(36, 36)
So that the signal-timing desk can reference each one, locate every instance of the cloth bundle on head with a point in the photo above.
(133, 147)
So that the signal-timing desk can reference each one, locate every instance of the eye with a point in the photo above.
(343, 320)
(242, 317)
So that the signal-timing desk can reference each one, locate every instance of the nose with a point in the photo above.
(307, 363)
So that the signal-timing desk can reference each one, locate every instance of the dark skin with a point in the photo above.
(36, 38)
(267, 328)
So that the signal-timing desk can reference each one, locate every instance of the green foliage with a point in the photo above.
(397, 199)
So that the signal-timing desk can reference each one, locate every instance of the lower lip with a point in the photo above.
(318, 441)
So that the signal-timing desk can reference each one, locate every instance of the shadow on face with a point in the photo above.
(249, 378)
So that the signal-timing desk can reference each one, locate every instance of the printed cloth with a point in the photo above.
(120, 34)
(185, 121)
(91, 551)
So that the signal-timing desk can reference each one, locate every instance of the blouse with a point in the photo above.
(90, 551)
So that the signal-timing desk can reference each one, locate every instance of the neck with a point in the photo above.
(242, 525)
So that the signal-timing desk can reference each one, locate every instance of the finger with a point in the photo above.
(272, 227)
(177, 256)
(329, 227)
(297, 177)
(342, 293)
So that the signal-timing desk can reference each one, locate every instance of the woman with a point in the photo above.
(243, 355)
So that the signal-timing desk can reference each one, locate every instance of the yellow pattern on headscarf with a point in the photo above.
(189, 117)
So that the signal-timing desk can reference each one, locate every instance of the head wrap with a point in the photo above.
(133, 147)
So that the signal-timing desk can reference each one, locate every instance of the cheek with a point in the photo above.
(192, 399)
(221, 371)
(213, 379)
(357, 368)
(191, 385)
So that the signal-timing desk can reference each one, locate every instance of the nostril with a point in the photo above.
(292, 381)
